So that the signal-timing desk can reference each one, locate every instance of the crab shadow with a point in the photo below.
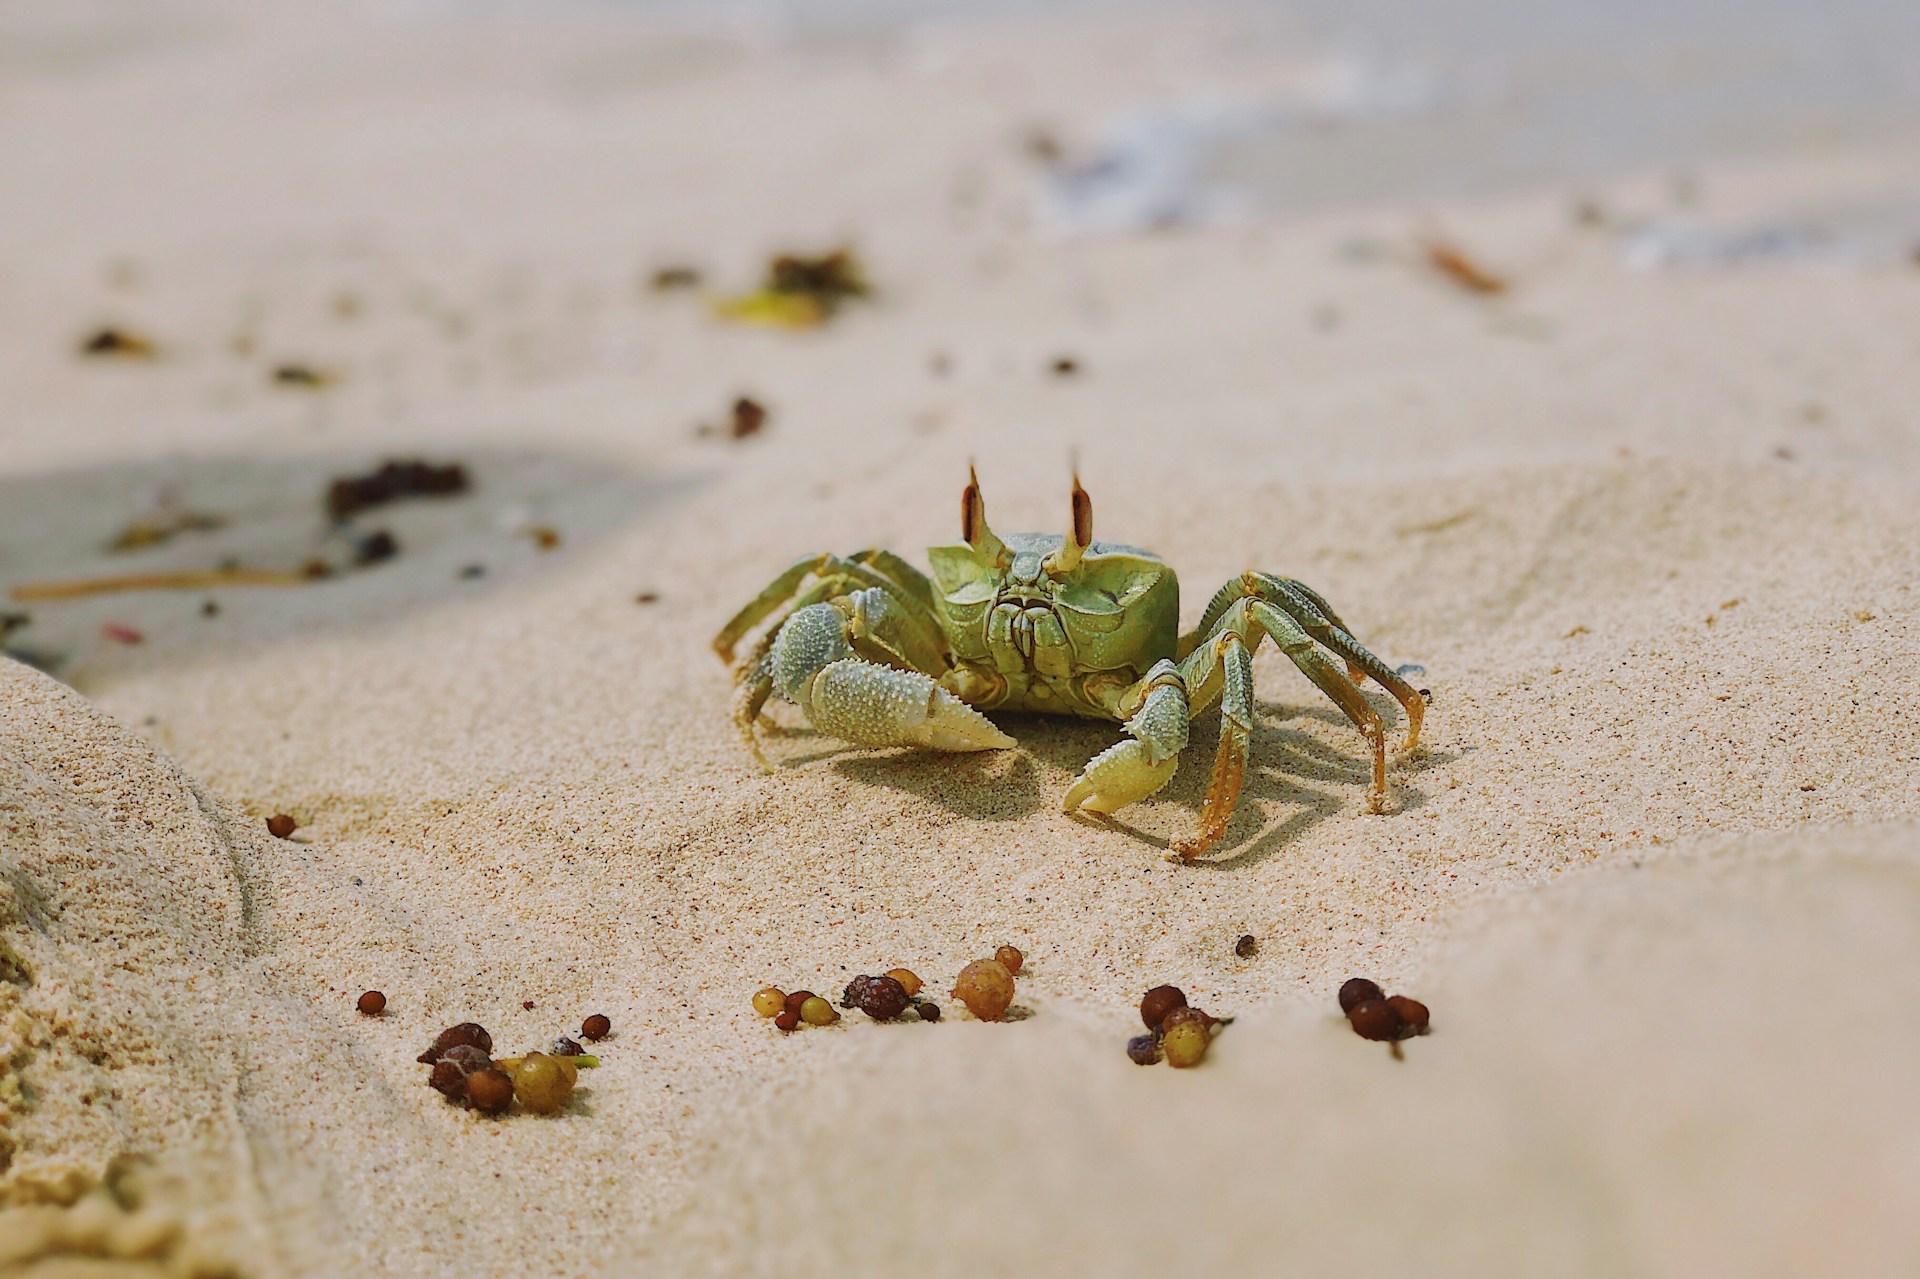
(1289, 770)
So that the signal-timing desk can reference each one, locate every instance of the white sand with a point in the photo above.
(1650, 535)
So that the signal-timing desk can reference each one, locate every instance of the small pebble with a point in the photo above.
(281, 826)
(1143, 1050)
(1158, 1002)
(1412, 1012)
(1186, 1043)
(1246, 946)
(787, 1019)
(1376, 1019)
(818, 1012)
(373, 1003)
(489, 1091)
(909, 982)
(376, 547)
(768, 1001)
(1010, 958)
(1356, 991)
(597, 1027)
(986, 988)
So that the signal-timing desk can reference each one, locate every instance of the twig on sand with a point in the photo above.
(75, 588)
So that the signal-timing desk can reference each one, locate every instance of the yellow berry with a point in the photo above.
(542, 1084)
(769, 1001)
(908, 982)
(986, 988)
(1185, 1043)
(818, 1012)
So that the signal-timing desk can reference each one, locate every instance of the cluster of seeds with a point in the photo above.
(465, 1071)
(985, 987)
(1374, 1015)
(1175, 1031)
(788, 1011)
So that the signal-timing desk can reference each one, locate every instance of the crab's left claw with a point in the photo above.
(1120, 775)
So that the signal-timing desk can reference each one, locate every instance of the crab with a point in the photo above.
(877, 653)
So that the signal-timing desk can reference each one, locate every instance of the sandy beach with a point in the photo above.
(1642, 516)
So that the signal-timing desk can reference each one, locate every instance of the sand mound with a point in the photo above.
(127, 922)
(1685, 1067)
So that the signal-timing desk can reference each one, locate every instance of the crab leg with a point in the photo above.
(889, 573)
(1305, 606)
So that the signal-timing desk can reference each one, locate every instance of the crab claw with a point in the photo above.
(873, 705)
(1120, 775)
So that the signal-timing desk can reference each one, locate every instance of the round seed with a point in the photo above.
(490, 1091)
(768, 1001)
(881, 998)
(928, 1010)
(986, 988)
(1412, 1012)
(1158, 1002)
(818, 1012)
(908, 981)
(787, 1019)
(1010, 958)
(1144, 1050)
(373, 1003)
(1356, 991)
(596, 1027)
(1376, 1019)
(280, 826)
(542, 1083)
(1185, 1043)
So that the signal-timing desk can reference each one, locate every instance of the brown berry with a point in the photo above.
(818, 1012)
(986, 988)
(909, 982)
(1412, 1012)
(1158, 1002)
(881, 998)
(1246, 946)
(1010, 958)
(373, 1003)
(796, 999)
(928, 1010)
(1185, 1044)
(596, 1027)
(467, 1032)
(1144, 1050)
(1376, 1019)
(280, 826)
(767, 1001)
(451, 1071)
(489, 1091)
(787, 1019)
(1356, 991)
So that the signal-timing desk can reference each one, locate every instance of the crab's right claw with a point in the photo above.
(1120, 775)
(873, 705)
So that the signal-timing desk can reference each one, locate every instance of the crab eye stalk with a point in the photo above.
(1079, 538)
(973, 523)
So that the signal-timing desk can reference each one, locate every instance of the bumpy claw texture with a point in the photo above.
(1118, 776)
(872, 705)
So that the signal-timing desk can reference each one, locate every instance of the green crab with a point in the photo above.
(876, 653)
